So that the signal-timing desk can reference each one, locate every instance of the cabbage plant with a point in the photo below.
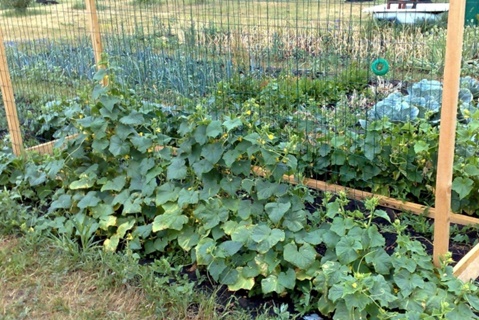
(423, 100)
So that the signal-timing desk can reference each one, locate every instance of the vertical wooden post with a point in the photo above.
(9, 101)
(452, 73)
(94, 31)
(95, 35)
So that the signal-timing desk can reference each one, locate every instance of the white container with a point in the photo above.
(422, 11)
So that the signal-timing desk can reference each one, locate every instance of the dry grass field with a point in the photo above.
(69, 19)
(240, 29)
(44, 279)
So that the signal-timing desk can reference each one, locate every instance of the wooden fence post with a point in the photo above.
(452, 73)
(9, 101)
(95, 35)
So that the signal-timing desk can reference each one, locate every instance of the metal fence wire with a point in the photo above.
(307, 62)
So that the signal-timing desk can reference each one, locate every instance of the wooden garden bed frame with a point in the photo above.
(466, 269)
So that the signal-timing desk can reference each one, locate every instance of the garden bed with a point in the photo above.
(418, 228)
(263, 231)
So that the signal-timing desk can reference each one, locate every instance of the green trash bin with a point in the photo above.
(472, 12)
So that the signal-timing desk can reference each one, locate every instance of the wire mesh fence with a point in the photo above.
(304, 65)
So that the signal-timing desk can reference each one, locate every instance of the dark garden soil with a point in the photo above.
(257, 304)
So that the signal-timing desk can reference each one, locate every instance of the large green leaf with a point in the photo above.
(231, 124)
(211, 185)
(63, 202)
(265, 189)
(35, 176)
(278, 283)
(231, 156)
(112, 243)
(107, 221)
(141, 143)
(124, 227)
(170, 219)
(421, 146)
(204, 251)
(200, 134)
(271, 284)
(324, 150)
(113, 114)
(216, 268)
(314, 237)
(52, 168)
(212, 152)
(188, 238)
(302, 257)
(238, 232)
(338, 157)
(260, 233)
(108, 101)
(202, 166)
(338, 141)
(116, 184)
(229, 276)
(376, 239)
(267, 263)
(146, 164)
(287, 279)
(471, 170)
(347, 249)
(231, 185)
(294, 220)
(270, 157)
(407, 281)
(463, 186)
(241, 167)
(166, 192)
(83, 183)
(143, 231)
(176, 170)
(133, 203)
(214, 129)
(357, 301)
(473, 301)
(123, 131)
(89, 200)
(242, 282)
(244, 209)
(276, 210)
(211, 214)
(133, 119)
(186, 196)
(380, 260)
(122, 197)
(100, 144)
(266, 238)
(101, 210)
(230, 248)
(118, 147)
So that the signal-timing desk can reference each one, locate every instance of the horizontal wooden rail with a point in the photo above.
(47, 147)
(468, 267)
(384, 201)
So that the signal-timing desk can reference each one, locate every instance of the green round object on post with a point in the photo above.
(380, 67)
